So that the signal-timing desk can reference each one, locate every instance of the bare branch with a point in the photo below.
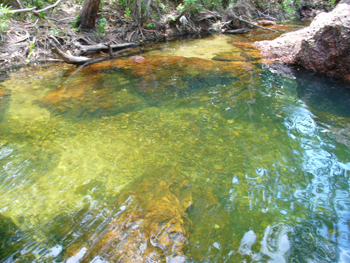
(46, 8)
(17, 11)
(100, 47)
(70, 59)
(32, 9)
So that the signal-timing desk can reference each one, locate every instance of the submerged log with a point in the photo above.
(324, 46)
(70, 59)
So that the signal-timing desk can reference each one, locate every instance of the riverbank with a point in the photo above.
(31, 37)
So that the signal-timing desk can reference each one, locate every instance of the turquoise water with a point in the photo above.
(194, 155)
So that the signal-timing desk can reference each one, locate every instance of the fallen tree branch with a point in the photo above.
(17, 11)
(237, 31)
(19, 2)
(250, 23)
(70, 59)
(46, 8)
(266, 16)
(97, 61)
(32, 9)
(100, 47)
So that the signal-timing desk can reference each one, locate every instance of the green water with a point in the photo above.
(267, 158)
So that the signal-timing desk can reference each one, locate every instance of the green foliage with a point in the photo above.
(288, 7)
(31, 50)
(54, 31)
(5, 14)
(38, 3)
(163, 7)
(180, 8)
(151, 25)
(190, 2)
(212, 4)
(127, 13)
(75, 23)
(101, 26)
(332, 3)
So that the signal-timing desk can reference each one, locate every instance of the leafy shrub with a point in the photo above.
(150, 25)
(127, 13)
(5, 14)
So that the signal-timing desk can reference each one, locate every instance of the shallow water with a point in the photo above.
(266, 158)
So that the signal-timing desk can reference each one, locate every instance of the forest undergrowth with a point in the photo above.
(29, 29)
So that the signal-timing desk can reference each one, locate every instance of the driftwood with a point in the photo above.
(104, 47)
(70, 59)
(32, 9)
(237, 31)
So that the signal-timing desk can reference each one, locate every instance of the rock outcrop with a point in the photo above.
(324, 46)
(151, 226)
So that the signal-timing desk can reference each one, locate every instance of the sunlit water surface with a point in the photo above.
(263, 160)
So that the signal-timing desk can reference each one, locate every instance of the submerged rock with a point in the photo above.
(228, 57)
(137, 58)
(151, 225)
(100, 91)
(324, 46)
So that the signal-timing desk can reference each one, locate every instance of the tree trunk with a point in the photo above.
(88, 14)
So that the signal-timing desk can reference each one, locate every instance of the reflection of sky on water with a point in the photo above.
(326, 196)
(318, 229)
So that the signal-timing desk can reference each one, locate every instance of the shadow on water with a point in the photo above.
(323, 93)
(10, 238)
(329, 99)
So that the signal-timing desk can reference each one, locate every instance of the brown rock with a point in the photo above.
(151, 225)
(266, 22)
(137, 58)
(324, 46)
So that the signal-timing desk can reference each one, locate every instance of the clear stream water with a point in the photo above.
(266, 154)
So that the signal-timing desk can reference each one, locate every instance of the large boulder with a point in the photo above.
(324, 46)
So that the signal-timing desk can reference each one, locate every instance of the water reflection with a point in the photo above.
(196, 160)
